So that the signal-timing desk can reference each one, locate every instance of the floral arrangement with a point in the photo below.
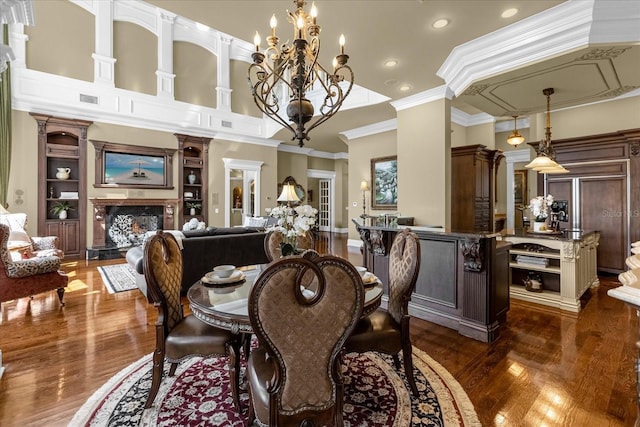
(539, 207)
(293, 222)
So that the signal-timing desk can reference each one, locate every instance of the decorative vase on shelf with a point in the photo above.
(191, 177)
(62, 215)
(63, 173)
(192, 211)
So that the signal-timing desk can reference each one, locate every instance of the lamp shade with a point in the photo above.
(515, 138)
(288, 194)
(364, 185)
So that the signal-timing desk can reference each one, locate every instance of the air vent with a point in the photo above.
(89, 99)
(227, 124)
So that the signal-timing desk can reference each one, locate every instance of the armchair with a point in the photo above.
(21, 244)
(294, 375)
(26, 277)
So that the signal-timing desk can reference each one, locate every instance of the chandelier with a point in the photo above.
(545, 162)
(292, 73)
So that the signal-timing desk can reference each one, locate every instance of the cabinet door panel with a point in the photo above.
(604, 207)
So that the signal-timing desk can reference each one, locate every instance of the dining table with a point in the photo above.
(226, 305)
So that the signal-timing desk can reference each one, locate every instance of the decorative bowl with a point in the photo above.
(224, 271)
(361, 270)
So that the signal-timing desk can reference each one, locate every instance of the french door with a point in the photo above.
(324, 205)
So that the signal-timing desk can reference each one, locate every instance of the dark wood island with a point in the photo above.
(463, 283)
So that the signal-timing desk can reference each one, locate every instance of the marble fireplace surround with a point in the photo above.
(101, 205)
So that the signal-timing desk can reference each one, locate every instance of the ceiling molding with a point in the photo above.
(567, 27)
(421, 98)
(373, 129)
(311, 152)
(507, 125)
(463, 119)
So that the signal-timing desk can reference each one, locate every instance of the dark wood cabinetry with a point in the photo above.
(193, 155)
(602, 189)
(473, 172)
(62, 148)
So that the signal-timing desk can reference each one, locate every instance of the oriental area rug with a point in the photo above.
(199, 394)
(118, 277)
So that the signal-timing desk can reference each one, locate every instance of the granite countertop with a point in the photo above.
(565, 235)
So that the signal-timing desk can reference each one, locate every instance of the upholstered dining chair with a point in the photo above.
(274, 239)
(387, 331)
(177, 336)
(294, 375)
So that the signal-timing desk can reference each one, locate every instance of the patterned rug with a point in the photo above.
(200, 394)
(118, 278)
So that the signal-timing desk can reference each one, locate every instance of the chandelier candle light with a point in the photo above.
(294, 71)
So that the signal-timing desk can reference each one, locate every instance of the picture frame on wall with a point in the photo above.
(384, 183)
(520, 188)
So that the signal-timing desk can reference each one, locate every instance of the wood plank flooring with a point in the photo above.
(547, 369)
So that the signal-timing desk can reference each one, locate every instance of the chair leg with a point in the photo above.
(408, 368)
(172, 369)
(61, 295)
(234, 372)
(396, 361)
(156, 377)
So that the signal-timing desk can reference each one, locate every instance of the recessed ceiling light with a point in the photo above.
(390, 63)
(391, 82)
(509, 12)
(440, 23)
(405, 87)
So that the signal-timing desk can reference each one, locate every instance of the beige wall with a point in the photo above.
(424, 163)
(58, 24)
(361, 151)
(483, 134)
(196, 74)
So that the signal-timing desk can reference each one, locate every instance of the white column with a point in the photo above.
(513, 157)
(164, 74)
(103, 60)
(223, 88)
(18, 43)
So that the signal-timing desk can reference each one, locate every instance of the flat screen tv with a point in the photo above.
(124, 168)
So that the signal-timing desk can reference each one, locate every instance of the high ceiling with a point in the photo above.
(377, 31)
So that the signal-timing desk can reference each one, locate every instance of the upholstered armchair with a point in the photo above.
(387, 331)
(294, 375)
(178, 336)
(273, 243)
(22, 245)
(21, 278)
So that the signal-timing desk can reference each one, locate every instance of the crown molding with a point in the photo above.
(507, 125)
(287, 148)
(421, 98)
(373, 129)
(463, 119)
(564, 28)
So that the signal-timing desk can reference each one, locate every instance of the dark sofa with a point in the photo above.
(204, 249)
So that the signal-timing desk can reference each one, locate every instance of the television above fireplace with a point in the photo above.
(121, 165)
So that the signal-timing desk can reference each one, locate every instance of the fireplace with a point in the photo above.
(121, 223)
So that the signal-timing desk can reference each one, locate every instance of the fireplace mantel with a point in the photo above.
(100, 204)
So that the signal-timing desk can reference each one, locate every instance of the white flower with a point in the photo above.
(293, 222)
(539, 207)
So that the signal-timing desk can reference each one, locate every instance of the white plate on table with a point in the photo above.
(370, 279)
(212, 278)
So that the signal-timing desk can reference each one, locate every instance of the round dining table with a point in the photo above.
(226, 306)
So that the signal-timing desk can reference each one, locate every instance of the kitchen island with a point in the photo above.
(463, 282)
(562, 266)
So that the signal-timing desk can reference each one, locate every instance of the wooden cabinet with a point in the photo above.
(603, 191)
(62, 148)
(193, 156)
(473, 171)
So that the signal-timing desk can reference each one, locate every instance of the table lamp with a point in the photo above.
(288, 194)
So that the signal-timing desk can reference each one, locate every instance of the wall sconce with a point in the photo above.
(364, 186)
(515, 138)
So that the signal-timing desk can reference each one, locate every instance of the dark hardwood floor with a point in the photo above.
(547, 369)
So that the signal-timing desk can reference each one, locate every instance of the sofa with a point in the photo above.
(204, 249)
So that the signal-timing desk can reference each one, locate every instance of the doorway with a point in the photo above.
(242, 190)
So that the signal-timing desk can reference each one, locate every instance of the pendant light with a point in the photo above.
(515, 138)
(545, 161)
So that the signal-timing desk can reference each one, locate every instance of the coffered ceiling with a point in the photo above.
(584, 65)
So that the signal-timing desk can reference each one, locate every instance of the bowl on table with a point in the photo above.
(224, 271)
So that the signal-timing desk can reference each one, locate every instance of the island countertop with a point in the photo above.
(566, 235)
